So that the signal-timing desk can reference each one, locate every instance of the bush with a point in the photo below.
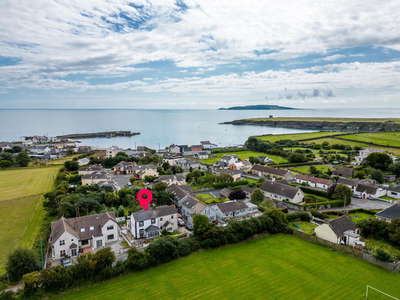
(237, 195)
(221, 185)
(319, 215)
(19, 262)
(309, 190)
(302, 216)
(161, 251)
(382, 255)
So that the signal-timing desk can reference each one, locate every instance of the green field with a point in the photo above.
(298, 136)
(273, 267)
(336, 120)
(244, 155)
(384, 138)
(305, 169)
(21, 210)
(315, 151)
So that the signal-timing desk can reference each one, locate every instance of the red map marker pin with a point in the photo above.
(144, 197)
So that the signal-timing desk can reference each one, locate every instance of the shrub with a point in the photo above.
(382, 255)
(302, 216)
(21, 261)
(319, 215)
(309, 190)
(257, 196)
(237, 195)
(221, 185)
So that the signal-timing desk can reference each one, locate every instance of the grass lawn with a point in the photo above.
(375, 245)
(244, 155)
(315, 151)
(311, 119)
(305, 169)
(318, 198)
(203, 197)
(20, 183)
(297, 136)
(307, 227)
(388, 198)
(382, 138)
(355, 217)
(273, 267)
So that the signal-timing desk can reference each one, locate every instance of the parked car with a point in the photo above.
(66, 262)
(181, 222)
(356, 196)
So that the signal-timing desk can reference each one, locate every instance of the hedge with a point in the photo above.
(309, 190)
(306, 163)
(303, 216)
(351, 211)
(221, 185)
(334, 203)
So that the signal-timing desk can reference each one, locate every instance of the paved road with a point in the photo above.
(363, 203)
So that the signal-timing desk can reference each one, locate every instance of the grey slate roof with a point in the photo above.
(347, 181)
(96, 175)
(225, 192)
(342, 224)
(390, 213)
(93, 168)
(314, 179)
(394, 187)
(152, 228)
(232, 206)
(347, 172)
(284, 190)
(178, 192)
(232, 172)
(269, 170)
(369, 189)
(247, 189)
(160, 211)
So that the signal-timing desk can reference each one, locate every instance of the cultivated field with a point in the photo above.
(20, 183)
(244, 155)
(336, 120)
(384, 138)
(298, 136)
(274, 267)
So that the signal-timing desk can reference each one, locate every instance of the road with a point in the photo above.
(362, 203)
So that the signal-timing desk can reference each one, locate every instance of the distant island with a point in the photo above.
(257, 107)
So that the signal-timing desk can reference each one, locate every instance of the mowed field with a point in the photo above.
(298, 136)
(244, 155)
(273, 267)
(383, 138)
(21, 210)
(344, 120)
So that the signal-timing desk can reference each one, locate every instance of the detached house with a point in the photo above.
(394, 191)
(389, 214)
(314, 181)
(350, 183)
(172, 179)
(343, 172)
(208, 145)
(94, 178)
(339, 231)
(363, 154)
(149, 223)
(369, 191)
(190, 207)
(141, 171)
(269, 172)
(231, 209)
(69, 237)
(90, 169)
(282, 192)
(124, 168)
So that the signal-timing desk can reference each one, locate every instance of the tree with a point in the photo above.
(359, 175)
(159, 186)
(313, 170)
(257, 196)
(395, 169)
(224, 178)
(71, 165)
(296, 158)
(121, 211)
(166, 165)
(7, 156)
(163, 198)
(382, 255)
(377, 175)
(112, 199)
(237, 195)
(342, 192)
(23, 159)
(148, 178)
(378, 160)
(254, 160)
(394, 231)
(5, 164)
(21, 261)
(200, 225)
(162, 250)
(103, 258)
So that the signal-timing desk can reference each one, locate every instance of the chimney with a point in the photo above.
(326, 221)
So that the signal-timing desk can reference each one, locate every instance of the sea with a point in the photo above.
(160, 128)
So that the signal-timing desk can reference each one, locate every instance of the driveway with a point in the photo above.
(362, 203)
(122, 180)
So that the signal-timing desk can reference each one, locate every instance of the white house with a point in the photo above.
(269, 172)
(282, 192)
(229, 159)
(190, 207)
(362, 154)
(69, 237)
(208, 145)
(202, 155)
(339, 231)
(394, 191)
(90, 169)
(149, 223)
(172, 179)
(369, 191)
(316, 182)
(350, 183)
(231, 209)
(112, 151)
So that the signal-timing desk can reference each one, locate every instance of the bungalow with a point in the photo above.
(231, 209)
(124, 168)
(282, 192)
(369, 191)
(224, 193)
(172, 179)
(112, 183)
(149, 223)
(69, 237)
(269, 172)
(394, 191)
(339, 231)
(178, 192)
(363, 154)
(343, 172)
(236, 174)
(94, 178)
(202, 155)
(248, 190)
(90, 169)
(389, 214)
(190, 207)
(314, 181)
(350, 183)
(208, 145)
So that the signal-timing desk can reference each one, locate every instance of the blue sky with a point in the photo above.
(199, 54)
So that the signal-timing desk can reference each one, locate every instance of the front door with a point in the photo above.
(99, 243)
(73, 252)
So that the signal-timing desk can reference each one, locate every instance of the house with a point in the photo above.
(224, 193)
(172, 179)
(236, 166)
(162, 151)
(178, 192)
(389, 214)
(339, 231)
(190, 207)
(141, 171)
(112, 151)
(343, 172)
(231, 209)
(269, 172)
(369, 191)
(94, 178)
(112, 183)
(246, 165)
(141, 148)
(236, 174)
(90, 169)
(193, 150)
(171, 159)
(316, 182)
(69, 237)
(202, 155)
(208, 145)
(350, 183)
(282, 192)
(124, 168)
(363, 154)
(84, 149)
(390, 178)
(265, 159)
(368, 181)
(149, 223)
(187, 163)
(248, 190)
(178, 149)
(394, 191)
(229, 159)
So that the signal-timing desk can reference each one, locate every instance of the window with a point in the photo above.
(110, 237)
(85, 242)
(91, 228)
(226, 214)
(62, 242)
(169, 229)
(141, 224)
(72, 240)
(111, 227)
(153, 221)
(160, 219)
(141, 232)
(172, 216)
(62, 253)
(82, 229)
(393, 193)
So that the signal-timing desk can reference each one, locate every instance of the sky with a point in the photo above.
(199, 54)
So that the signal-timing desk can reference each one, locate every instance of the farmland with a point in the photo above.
(389, 139)
(273, 267)
(298, 136)
(243, 155)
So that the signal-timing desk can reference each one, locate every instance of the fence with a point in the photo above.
(348, 250)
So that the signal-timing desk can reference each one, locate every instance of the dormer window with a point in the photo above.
(153, 221)
(91, 228)
(141, 224)
(82, 229)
